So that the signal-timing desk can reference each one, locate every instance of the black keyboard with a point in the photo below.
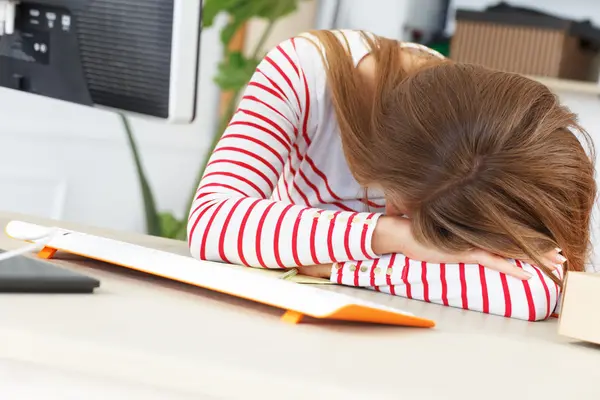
(30, 275)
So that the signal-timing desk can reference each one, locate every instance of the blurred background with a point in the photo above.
(70, 162)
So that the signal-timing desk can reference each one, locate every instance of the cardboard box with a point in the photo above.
(579, 315)
(528, 42)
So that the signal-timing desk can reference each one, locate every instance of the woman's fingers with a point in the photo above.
(552, 260)
(550, 263)
(558, 258)
(500, 264)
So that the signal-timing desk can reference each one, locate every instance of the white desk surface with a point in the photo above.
(138, 335)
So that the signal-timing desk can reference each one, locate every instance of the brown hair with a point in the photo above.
(481, 158)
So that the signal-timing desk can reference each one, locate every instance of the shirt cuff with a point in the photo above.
(368, 273)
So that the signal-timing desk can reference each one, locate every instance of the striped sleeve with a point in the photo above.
(234, 217)
(471, 287)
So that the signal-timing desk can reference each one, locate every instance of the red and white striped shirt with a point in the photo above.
(277, 193)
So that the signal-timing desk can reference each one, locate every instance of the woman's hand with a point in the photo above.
(395, 236)
(316, 271)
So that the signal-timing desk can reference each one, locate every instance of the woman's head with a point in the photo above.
(487, 159)
(478, 158)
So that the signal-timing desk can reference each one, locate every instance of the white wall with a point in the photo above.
(378, 16)
(58, 158)
(389, 18)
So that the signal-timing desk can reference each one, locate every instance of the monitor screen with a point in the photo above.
(138, 56)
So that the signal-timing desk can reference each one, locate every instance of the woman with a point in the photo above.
(382, 165)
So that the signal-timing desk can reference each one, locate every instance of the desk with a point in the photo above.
(148, 332)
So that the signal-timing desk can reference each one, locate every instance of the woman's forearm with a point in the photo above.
(467, 286)
(386, 234)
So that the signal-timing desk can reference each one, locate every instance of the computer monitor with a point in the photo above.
(138, 56)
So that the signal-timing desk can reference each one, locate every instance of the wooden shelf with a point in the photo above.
(571, 86)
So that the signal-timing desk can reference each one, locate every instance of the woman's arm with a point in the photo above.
(234, 217)
(467, 286)
(394, 235)
(528, 294)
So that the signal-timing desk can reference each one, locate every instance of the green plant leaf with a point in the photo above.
(229, 30)
(236, 59)
(240, 11)
(169, 225)
(238, 15)
(152, 222)
(236, 71)
(246, 9)
(212, 8)
(181, 234)
(276, 9)
(267, 9)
